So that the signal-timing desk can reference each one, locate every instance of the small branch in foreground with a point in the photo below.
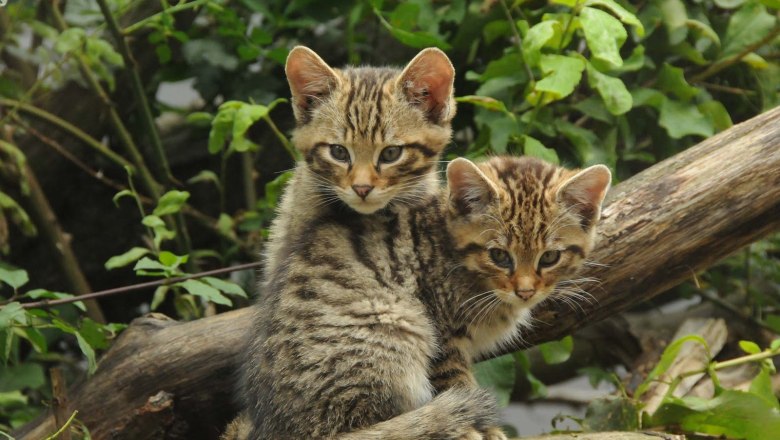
(125, 289)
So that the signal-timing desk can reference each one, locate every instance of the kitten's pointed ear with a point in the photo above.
(310, 79)
(469, 188)
(584, 192)
(427, 83)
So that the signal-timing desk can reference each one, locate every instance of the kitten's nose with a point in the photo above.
(362, 190)
(525, 294)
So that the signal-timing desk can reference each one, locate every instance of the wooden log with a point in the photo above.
(609, 436)
(659, 228)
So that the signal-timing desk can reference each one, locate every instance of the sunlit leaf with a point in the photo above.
(556, 352)
(748, 25)
(604, 35)
(13, 276)
(562, 74)
(536, 38)
(616, 97)
(205, 291)
(683, 119)
(228, 287)
(171, 202)
(126, 258)
(532, 147)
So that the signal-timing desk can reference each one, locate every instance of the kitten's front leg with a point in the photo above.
(452, 368)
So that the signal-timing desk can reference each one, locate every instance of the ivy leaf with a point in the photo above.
(562, 74)
(126, 258)
(10, 313)
(621, 13)
(672, 80)
(616, 97)
(536, 38)
(674, 18)
(604, 35)
(171, 202)
(205, 291)
(532, 147)
(747, 26)
(682, 119)
(498, 376)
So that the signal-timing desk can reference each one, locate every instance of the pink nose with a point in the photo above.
(362, 190)
(525, 294)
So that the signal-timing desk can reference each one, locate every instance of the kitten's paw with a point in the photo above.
(494, 433)
(472, 434)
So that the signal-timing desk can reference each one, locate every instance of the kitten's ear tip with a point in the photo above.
(459, 165)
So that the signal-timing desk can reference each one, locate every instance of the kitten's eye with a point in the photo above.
(339, 153)
(501, 258)
(549, 258)
(390, 154)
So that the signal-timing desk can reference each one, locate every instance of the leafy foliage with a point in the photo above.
(571, 81)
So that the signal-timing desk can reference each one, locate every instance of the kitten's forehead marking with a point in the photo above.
(365, 102)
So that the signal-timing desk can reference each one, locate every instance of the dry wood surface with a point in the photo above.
(659, 228)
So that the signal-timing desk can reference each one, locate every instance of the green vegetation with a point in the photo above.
(571, 81)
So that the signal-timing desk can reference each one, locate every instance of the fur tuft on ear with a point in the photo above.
(584, 192)
(469, 189)
(427, 83)
(310, 79)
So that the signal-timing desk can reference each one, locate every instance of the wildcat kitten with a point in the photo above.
(336, 346)
(523, 228)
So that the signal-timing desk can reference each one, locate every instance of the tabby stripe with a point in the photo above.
(471, 248)
(393, 232)
(425, 150)
(576, 250)
(362, 254)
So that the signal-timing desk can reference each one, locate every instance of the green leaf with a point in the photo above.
(682, 119)
(205, 291)
(672, 80)
(616, 97)
(774, 345)
(146, 264)
(498, 376)
(171, 202)
(93, 334)
(88, 351)
(485, 102)
(735, 414)
(621, 13)
(418, 39)
(761, 386)
(747, 26)
(126, 258)
(536, 38)
(532, 147)
(70, 40)
(228, 287)
(604, 35)
(11, 313)
(557, 352)
(649, 97)
(704, 29)
(47, 294)
(675, 17)
(749, 347)
(153, 221)
(247, 115)
(159, 296)
(18, 216)
(611, 414)
(405, 15)
(35, 337)
(101, 50)
(123, 193)
(562, 74)
(538, 389)
(13, 276)
(221, 125)
(204, 176)
(17, 377)
(171, 260)
(669, 355)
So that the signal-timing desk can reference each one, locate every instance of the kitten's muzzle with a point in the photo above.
(525, 294)
(362, 190)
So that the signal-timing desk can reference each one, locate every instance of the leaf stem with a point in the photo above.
(172, 10)
(518, 39)
(282, 138)
(728, 62)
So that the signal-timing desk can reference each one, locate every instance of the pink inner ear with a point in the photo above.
(307, 74)
(427, 81)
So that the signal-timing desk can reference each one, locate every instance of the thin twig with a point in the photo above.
(138, 90)
(282, 138)
(59, 392)
(518, 39)
(172, 10)
(717, 67)
(125, 289)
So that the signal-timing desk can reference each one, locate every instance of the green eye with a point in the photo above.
(390, 154)
(501, 258)
(549, 258)
(339, 153)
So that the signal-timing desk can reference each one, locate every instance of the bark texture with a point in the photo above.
(659, 228)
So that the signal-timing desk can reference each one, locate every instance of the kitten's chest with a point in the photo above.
(500, 329)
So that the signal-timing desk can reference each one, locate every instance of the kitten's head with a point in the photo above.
(524, 224)
(372, 136)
